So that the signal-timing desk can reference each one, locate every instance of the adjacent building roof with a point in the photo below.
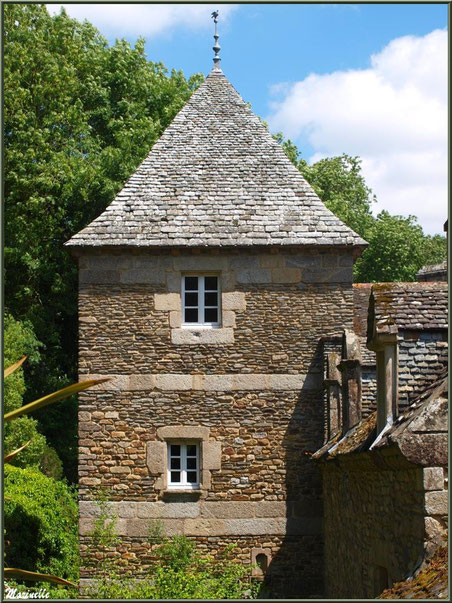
(420, 432)
(407, 306)
(433, 272)
(216, 177)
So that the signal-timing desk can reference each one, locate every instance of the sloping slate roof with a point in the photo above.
(421, 431)
(357, 439)
(410, 305)
(216, 177)
(412, 431)
(432, 272)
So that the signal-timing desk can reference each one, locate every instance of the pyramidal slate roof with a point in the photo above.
(216, 177)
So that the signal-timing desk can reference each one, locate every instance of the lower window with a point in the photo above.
(183, 465)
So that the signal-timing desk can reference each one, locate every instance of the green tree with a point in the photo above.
(339, 183)
(79, 117)
(435, 249)
(395, 252)
(397, 246)
(290, 149)
(19, 340)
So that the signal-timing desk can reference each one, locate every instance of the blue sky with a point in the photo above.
(364, 79)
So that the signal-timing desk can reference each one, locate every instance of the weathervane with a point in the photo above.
(216, 47)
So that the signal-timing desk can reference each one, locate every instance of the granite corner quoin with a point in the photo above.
(239, 398)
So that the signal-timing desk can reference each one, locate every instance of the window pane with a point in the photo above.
(191, 463)
(211, 315)
(175, 463)
(191, 477)
(175, 450)
(191, 449)
(191, 299)
(210, 299)
(191, 315)
(191, 283)
(175, 477)
(211, 283)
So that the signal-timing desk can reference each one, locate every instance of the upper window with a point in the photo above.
(200, 300)
(183, 465)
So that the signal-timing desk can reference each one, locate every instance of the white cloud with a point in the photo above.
(393, 115)
(143, 19)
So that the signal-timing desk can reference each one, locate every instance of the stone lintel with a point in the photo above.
(200, 263)
(173, 382)
(286, 382)
(175, 432)
(202, 510)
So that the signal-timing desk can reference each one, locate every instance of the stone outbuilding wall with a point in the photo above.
(379, 509)
(386, 499)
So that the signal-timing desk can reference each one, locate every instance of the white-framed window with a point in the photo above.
(201, 300)
(183, 465)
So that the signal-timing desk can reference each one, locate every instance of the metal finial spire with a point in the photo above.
(216, 47)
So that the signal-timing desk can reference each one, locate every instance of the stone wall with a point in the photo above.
(380, 512)
(252, 388)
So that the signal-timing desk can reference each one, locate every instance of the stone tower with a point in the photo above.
(205, 289)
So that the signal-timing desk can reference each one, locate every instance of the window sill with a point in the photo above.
(201, 335)
(173, 493)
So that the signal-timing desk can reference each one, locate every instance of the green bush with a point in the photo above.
(19, 339)
(179, 570)
(17, 433)
(40, 520)
(51, 464)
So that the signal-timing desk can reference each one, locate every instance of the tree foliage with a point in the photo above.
(339, 183)
(19, 340)
(395, 251)
(397, 248)
(79, 116)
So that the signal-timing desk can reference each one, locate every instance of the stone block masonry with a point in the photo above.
(249, 392)
(381, 514)
(272, 320)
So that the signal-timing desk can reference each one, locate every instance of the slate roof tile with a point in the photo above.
(216, 177)
(410, 305)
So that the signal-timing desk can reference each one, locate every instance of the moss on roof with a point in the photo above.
(430, 582)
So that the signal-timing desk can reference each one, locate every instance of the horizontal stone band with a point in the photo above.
(205, 526)
(231, 382)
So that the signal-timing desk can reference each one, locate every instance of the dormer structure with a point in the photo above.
(205, 288)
